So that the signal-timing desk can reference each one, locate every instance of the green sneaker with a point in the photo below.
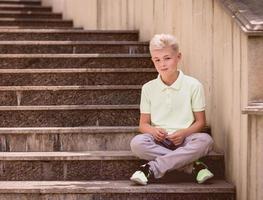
(201, 172)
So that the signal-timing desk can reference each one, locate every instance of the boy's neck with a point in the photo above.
(169, 80)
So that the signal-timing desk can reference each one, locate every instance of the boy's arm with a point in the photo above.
(197, 126)
(145, 127)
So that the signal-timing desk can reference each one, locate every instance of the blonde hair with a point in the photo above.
(160, 41)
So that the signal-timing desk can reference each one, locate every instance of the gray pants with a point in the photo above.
(162, 159)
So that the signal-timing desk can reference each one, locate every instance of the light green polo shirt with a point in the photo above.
(171, 107)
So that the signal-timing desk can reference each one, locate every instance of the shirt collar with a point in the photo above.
(176, 85)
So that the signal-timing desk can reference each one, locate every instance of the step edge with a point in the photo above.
(71, 31)
(34, 20)
(70, 107)
(58, 130)
(77, 70)
(70, 87)
(44, 187)
(65, 42)
(24, 6)
(81, 55)
(29, 12)
(79, 155)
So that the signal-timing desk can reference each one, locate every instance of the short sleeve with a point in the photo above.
(145, 104)
(198, 98)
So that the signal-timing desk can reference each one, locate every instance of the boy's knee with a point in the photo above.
(207, 140)
(138, 142)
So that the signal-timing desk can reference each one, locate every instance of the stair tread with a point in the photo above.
(27, 12)
(77, 70)
(71, 87)
(34, 20)
(46, 30)
(23, 6)
(73, 43)
(16, 27)
(80, 155)
(97, 55)
(68, 107)
(218, 186)
(21, 1)
(86, 129)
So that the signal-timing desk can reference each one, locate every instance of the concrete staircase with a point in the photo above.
(68, 109)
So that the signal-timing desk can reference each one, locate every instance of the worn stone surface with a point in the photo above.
(25, 15)
(67, 139)
(70, 97)
(99, 168)
(75, 61)
(24, 8)
(50, 23)
(67, 170)
(66, 142)
(131, 49)
(76, 48)
(142, 196)
(6, 7)
(7, 98)
(84, 78)
(69, 118)
(38, 27)
(56, 35)
(217, 190)
(23, 2)
(97, 142)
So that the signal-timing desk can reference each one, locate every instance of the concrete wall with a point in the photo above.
(215, 51)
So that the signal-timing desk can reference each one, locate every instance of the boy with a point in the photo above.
(172, 116)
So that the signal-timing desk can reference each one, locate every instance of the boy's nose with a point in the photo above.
(163, 64)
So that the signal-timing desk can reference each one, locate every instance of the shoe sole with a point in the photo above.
(206, 178)
(138, 181)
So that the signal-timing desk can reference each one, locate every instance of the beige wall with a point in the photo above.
(215, 51)
(255, 157)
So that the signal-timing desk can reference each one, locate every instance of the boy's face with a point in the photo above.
(165, 60)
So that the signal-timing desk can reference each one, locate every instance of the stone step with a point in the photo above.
(48, 23)
(91, 138)
(118, 190)
(72, 76)
(7, 7)
(30, 14)
(69, 115)
(68, 35)
(23, 2)
(38, 61)
(76, 47)
(86, 165)
(38, 27)
(69, 95)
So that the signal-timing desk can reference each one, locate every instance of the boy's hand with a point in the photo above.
(177, 137)
(159, 134)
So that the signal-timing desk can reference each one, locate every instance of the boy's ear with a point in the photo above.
(179, 55)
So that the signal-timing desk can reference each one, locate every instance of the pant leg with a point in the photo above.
(195, 146)
(144, 146)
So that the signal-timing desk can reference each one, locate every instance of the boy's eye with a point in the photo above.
(157, 60)
(167, 58)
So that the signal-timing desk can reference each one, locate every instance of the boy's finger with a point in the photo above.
(172, 137)
(162, 131)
